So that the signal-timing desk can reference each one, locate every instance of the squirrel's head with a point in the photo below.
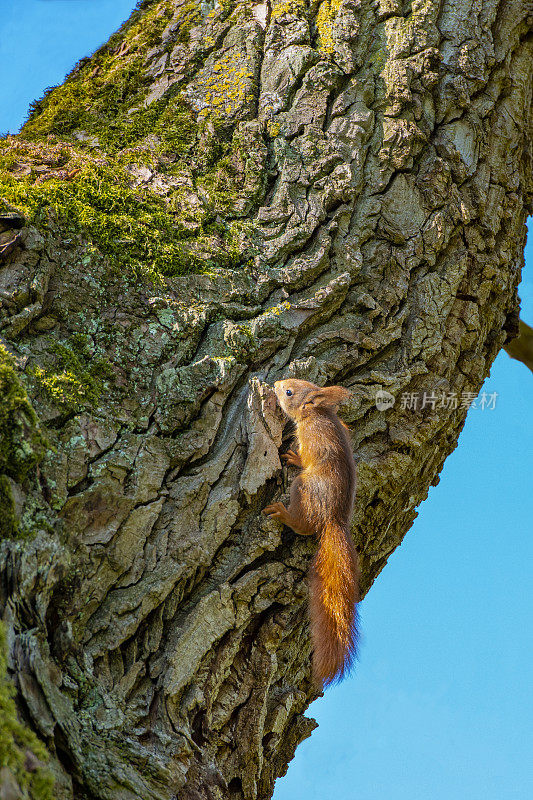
(300, 398)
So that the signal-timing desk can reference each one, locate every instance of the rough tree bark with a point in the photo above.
(221, 196)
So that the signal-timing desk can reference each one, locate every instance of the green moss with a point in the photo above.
(22, 444)
(107, 84)
(95, 191)
(169, 120)
(133, 227)
(189, 17)
(21, 441)
(16, 739)
(104, 95)
(8, 524)
(76, 379)
(235, 175)
(109, 213)
(142, 233)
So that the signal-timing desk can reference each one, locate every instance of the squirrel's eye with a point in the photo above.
(288, 392)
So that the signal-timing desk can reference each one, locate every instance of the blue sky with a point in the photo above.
(441, 703)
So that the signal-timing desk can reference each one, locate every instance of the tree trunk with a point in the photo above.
(221, 196)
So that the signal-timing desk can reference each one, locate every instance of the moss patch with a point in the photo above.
(76, 379)
(9, 526)
(22, 444)
(140, 231)
(153, 187)
(103, 87)
(21, 441)
(131, 227)
(26, 769)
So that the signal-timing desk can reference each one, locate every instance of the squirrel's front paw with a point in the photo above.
(276, 511)
(290, 457)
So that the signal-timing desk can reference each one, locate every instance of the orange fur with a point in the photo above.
(321, 503)
(333, 594)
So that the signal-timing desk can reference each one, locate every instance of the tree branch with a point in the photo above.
(521, 348)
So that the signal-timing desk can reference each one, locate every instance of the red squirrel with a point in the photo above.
(321, 503)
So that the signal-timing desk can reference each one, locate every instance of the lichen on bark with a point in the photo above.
(222, 195)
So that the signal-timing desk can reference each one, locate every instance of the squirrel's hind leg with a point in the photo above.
(295, 515)
(279, 512)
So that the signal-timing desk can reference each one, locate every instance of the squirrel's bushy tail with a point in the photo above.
(333, 594)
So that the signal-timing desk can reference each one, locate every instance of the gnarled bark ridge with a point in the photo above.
(221, 196)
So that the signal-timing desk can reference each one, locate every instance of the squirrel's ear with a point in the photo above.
(327, 397)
